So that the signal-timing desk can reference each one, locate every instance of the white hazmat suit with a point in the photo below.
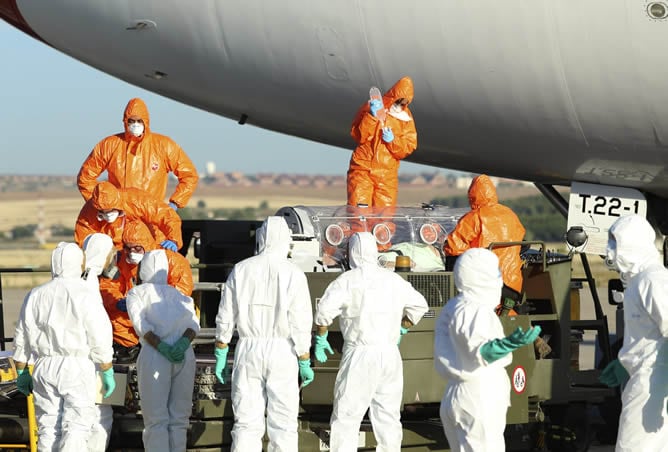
(644, 355)
(267, 298)
(477, 396)
(370, 302)
(98, 250)
(165, 387)
(65, 327)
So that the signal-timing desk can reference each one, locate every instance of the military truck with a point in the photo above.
(551, 399)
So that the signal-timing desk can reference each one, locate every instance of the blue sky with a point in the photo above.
(54, 109)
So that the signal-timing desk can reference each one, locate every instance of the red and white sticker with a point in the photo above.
(519, 379)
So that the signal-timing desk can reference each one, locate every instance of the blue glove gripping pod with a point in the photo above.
(122, 305)
(173, 206)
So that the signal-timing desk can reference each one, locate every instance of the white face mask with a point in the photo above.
(135, 258)
(136, 129)
(109, 217)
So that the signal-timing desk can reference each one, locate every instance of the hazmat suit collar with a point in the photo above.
(482, 192)
(275, 234)
(136, 107)
(362, 250)
(67, 261)
(154, 267)
(635, 248)
(98, 250)
(478, 278)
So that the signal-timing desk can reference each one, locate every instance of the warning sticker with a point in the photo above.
(519, 380)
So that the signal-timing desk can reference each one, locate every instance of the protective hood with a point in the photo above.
(106, 196)
(402, 89)
(136, 232)
(635, 247)
(275, 234)
(482, 192)
(478, 277)
(136, 107)
(99, 250)
(362, 250)
(154, 267)
(260, 236)
(67, 261)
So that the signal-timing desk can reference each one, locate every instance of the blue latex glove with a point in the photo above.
(221, 362)
(108, 381)
(498, 348)
(179, 348)
(374, 106)
(169, 245)
(322, 346)
(122, 305)
(305, 372)
(402, 331)
(614, 374)
(388, 136)
(166, 351)
(173, 206)
(24, 381)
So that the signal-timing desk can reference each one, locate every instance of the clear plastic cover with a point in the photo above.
(417, 232)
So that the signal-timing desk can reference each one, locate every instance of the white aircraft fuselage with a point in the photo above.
(550, 92)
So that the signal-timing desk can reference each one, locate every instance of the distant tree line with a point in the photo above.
(540, 219)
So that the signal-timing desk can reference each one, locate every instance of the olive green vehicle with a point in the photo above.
(551, 399)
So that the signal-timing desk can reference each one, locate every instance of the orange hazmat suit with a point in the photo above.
(373, 174)
(179, 275)
(142, 162)
(162, 220)
(489, 222)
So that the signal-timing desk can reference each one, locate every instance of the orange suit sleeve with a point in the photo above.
(464, 236)
(94, 165)
(184, 170)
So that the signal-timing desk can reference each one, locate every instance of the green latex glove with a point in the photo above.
(498, 348)
(221, 362)
(179, 348)
(108, 381)
(322, 346)
(614, 374)
(24, 381)
(402, 331)
(166, 351)
(305, 372)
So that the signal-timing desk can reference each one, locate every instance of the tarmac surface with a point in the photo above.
(12, 299)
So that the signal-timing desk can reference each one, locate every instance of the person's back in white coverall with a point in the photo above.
(64, 326)
(99, 255)
(477, 396)
(266, 297)
(372, 303)
(643, 424)
(166, 324)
